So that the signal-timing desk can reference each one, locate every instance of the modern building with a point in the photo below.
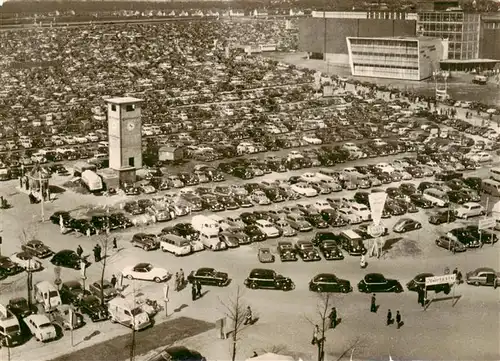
(489, 39)
(125, 137)
(406, 58)
(324, 34)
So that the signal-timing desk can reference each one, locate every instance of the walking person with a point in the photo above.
(79, 251)
(182, 279)
(315, 335)
(115, 245)
(421, 297)
(248, 316)
(398, 319)
(198, 289)
(389, 317)
(176, 281)
(98, 253)
(193, 291)
(333, 317)
(373, 306)
(113, 281)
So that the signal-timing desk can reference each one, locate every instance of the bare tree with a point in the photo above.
(234, 310)
(105, 257)
(324, 304)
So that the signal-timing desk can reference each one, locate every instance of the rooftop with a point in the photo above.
(124, 100)
(409, 38)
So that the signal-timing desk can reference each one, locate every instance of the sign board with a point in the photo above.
(376, 230)
(440, 280)
(377, 203)
(83, 270)
(487, 223)
(166, 288)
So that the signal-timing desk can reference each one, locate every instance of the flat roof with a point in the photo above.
(467, 61)
(124, 100)
(412, 38)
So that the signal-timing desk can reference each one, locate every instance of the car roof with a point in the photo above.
(205, 269)
(484, 269)
(142, 265)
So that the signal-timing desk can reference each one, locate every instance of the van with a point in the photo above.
(212, 241)
(128, 313)
(490, 186)
(352, 242)
(437, 197)
(47, 295)
(177, 245)
(10, 329)
(205, 224)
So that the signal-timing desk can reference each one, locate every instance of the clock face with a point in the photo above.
(130, 126)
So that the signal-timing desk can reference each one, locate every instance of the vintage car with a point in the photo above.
(406, 225)
(306, 251)
(230, 239)
(147, 242)
(26, 261)
(20, 308)
(298, 222)
(376, 282)
(66, 317)
(41, 327)
(209, 277)
(418, 283)
(91, 306)
(328, 282)
(268, 279)
(9, 267)
(265, 255)
(286, 251)
(330, 250)
(68, 258)
(106, 289)
(440, 217)
(285, 229)
(37, 249)
(483, 276)
(146, 272)
(71, 292)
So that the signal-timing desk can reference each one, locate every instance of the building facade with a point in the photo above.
(461, 29)
(489, 43)
(407, 58)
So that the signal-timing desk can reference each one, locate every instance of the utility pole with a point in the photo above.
(41, 193)
(132, 342)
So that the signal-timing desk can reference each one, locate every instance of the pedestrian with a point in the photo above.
(176, 281)
(421, 297)
(193, 291)
(455, 271)
(389, 317)
(315, 338)
(115, 245)
(182, 279)
(113, 281)
(198, 288)
(79, 251)
(398, 319)
(373, 306)
(333, 318)
(248, 316)
(98, 253)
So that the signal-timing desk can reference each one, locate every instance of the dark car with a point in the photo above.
(316, 220)
(419, 200)
(483, 235)
(106, 289)
(376, 282)
(20, 308)
(228, 202)
(418, 283)
(133, 208)
(286, 251)
(406, 225)
(146, 241)
(332, 218)
(91, 306)
(119, 220)
(248, 218)
(56, 218)
(209, 277)
(447, 175)
(68, 258)
(323, 236)
(446, 216)
(8, 267)
(243, 173)
(330, 250)
(72, 292)
(255, 234)
(450, 244)
(458, 197)
(328, 282)
(465, 237)
(352, 243)
(362, 230)
(210, 203)
(268, 279)
(362, 198)
(306, 251)
(178, 353)
(473, 183)
(184, 230)
(83, 226)
(36, 248)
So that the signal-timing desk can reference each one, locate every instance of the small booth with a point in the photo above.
(36, 183)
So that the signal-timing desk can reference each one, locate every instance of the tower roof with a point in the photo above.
(124, 100)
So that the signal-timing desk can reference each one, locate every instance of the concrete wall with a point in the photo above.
(312, 32)
(430, 53)
(489, 44)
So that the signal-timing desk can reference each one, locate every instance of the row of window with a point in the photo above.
(492, 26)
(386, 55)
(389, 43)
(386, 66)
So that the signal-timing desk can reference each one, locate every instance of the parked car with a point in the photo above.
(37, 249)
(265, 255)
(108, 291)
(147, 242)
(406, 225)
(178, 353)
(306, 251)
(450, 244)
(268, 279)
(328, 282)
(72, 292)
(26, 261)
(40, 327)
(330, 250)
(69, 259)
(286, 251)
(418, 282)
(91, 306)
(376, 282)
(20, 308)
(147, 272)
(209, 277)
(440, 217)
(469, 209)
(483, 276)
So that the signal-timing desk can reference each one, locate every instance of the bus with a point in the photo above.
(490, 186)
(495, 174)
(437, 197)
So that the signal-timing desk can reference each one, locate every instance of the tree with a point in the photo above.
(104, 243)
(325, 303)
(234, 310)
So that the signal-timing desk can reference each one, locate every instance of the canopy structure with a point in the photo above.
(36, 181)
(271, 357)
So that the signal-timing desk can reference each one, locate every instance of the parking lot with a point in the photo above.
(262, 123)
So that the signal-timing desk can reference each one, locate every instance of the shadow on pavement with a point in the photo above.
(118, 348)
(180, 308)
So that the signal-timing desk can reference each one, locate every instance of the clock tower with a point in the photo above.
(125, 134)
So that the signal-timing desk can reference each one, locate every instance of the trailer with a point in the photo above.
(80, 167)
(92, 181)
(171, 154)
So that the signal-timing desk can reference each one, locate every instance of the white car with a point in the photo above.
(260, 198)
(309, 177)
(92, 137)
(197, 245)
(361, 210)
(385, 167)
(469, 209)
(267, 228)
(321, 205)
(41, 327)
(304, 190)
(312, 140)
(286, 229)
(295, 155)
(349, 216)
(26, 261)
(81, 139)
(146, 272)
(481, 157)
